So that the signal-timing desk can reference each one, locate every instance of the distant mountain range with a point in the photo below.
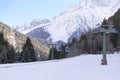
(71, 23)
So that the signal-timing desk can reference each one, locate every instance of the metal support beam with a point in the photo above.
(52, 55)
(105, 31)
(104, 49)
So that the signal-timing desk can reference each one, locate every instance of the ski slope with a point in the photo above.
(84, 67)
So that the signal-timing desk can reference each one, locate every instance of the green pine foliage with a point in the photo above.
(116, 20)
(7, 52)
(74, 40)
(62, 53)
(54, 54)
(104, 23)
(114, 40)
(28, 54)
(11, 55)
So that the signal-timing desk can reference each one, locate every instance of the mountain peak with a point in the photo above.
(36, 22)
(80, 17)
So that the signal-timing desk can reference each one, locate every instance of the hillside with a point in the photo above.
(84, 67)
(17, 40)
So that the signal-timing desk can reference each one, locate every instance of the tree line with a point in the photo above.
(9, 55)
(55, 54)
(91, 43)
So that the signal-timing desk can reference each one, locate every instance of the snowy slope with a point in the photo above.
(80, 17)
(84, 67)
(28, 27)
(84, 15)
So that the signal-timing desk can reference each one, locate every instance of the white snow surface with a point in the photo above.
(84, 15)
(84, 67)
(28, 27)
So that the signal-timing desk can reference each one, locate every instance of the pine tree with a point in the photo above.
(51, 54)
(105, 23)
(116, 20)
(62, 53)
(1, 42)
(74, 40)
(3, 56)
(3, 49)
(28, 53)
(11, 55)
(7, 52)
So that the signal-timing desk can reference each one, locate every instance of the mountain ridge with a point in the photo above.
(80, 17)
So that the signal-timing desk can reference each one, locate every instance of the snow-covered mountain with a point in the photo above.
(28, 27)
(77, 19)
(84, 67)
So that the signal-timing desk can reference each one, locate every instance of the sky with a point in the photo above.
(17, 12)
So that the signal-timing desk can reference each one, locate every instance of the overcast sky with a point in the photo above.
(17, 12)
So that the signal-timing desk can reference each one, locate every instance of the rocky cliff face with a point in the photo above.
(17, 40)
